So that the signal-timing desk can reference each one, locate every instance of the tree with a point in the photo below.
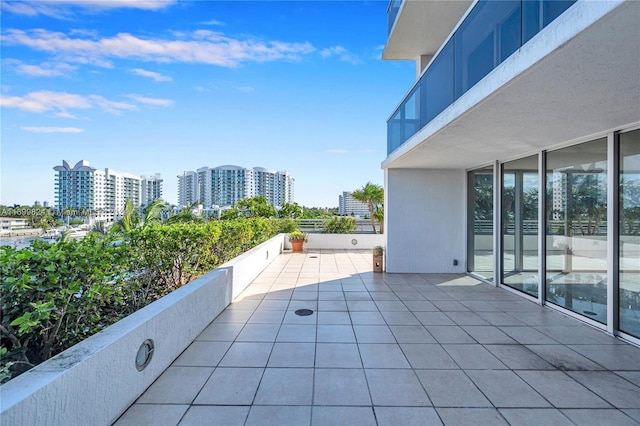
(255, 207)
(372, 195)
(291, 211)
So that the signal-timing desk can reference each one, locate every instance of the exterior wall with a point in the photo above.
(103, 191)
(341, 241)
(151, 189)
(224, 186)
(425, 215)
(58, 391)
(188, 191)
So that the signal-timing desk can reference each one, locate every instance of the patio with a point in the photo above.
(390, 349)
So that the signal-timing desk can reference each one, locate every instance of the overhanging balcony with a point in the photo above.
(490, 33)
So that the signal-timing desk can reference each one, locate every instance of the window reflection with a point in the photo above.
(576, 275)
(480, 256)
(520, 225)
(629, 276)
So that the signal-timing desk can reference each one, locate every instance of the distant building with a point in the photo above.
(37, 203)
(188, 189)
(92, 192)
(224, 186)
(151, 188)
(349, 206)
(11, 223)
(45, 204)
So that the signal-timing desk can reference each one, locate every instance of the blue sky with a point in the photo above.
(166, 86)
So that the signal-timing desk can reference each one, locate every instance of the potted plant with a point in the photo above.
(297, 239)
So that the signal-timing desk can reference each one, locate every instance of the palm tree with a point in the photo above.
(373, 196)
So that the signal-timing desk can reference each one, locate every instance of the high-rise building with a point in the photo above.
(224, 186)
(349, 206)
(151, 188)
(188, 189)
(515, 155)
(101, 193)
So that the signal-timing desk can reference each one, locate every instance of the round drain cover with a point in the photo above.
(304, 312)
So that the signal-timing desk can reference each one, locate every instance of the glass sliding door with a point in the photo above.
(480, 223)
(576, 222)
(629, 215)
(520, 224)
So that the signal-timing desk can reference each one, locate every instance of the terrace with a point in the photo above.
(394, 349)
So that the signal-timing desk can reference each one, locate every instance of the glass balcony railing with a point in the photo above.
(392, 13)
(490, 33)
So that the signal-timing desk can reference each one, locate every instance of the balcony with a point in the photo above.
(377, 349)
(490, 33)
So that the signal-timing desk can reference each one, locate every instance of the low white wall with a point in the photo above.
(341, 241)
(95, 381)
(425, 220)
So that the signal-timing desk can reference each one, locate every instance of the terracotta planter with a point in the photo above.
(296, 245)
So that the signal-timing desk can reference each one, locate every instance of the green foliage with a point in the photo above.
(57, 294)
(292, 211)
(74, 222)
(340, 225)
(255, 207)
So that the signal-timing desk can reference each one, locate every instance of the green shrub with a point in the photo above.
(340, 225)
(56, 294)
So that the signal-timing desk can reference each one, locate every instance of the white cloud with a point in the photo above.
(58, 103)
(151, 101)
(200, 47)
(52, 129)
(342, 54)
(151, 74)
(337, 151)
(46, 69)
(213, 22)
(43, 101)
(64, 9)
(245, 89)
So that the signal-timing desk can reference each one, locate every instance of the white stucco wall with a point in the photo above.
(95, 381)
(425, 220)
(341, 241)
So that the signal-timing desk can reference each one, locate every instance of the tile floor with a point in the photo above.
(391, 349)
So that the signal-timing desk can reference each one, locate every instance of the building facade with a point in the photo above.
(349, 206)
(101, 194)
(223, 186)
(513, 99)
(188, 190)
(151, 188)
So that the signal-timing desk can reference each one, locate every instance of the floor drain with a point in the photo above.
(313, 257)
(304, 312)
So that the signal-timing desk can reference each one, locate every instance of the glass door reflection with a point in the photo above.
(520, 225)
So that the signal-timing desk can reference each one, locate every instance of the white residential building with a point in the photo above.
(101, 194)
(349, 206)
(223, 186)
(151, 188)
(512, 100)
(188, 189)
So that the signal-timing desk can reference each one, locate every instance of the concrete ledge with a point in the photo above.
(341, 241)
(95, 381)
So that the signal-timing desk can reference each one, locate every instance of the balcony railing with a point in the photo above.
(392, 13)
(489, 34)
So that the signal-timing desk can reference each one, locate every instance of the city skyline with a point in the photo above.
(296, 86)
